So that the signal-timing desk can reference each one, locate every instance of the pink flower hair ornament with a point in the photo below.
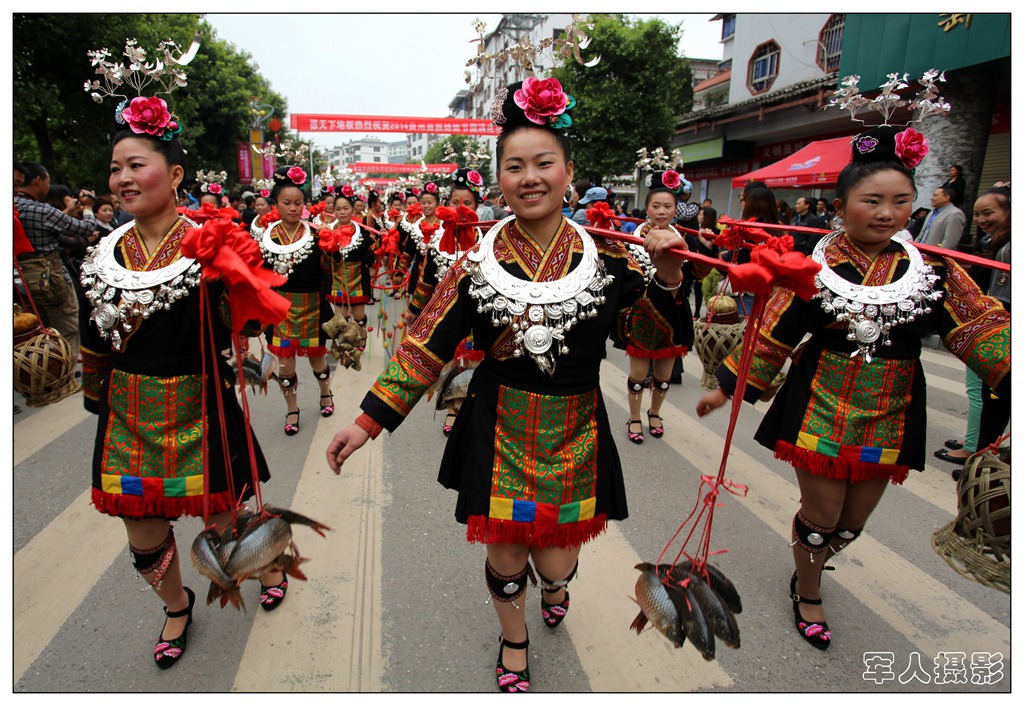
(347, 191)
(544, 102)
(149, 116)
(297, 176)
(265, 193)
(911, 147)
(672, 180)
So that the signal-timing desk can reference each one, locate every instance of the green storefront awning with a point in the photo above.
(875, 45)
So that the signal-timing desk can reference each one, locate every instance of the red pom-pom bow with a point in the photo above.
(775, 264)
(228, 253)
(414, 212)
(270, 217)
(335, 240)
(459, 228)
(600, 216)
(317, 208)
(388, 243)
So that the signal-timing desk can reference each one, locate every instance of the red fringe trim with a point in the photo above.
(839, 468)
(140, 508)
(333, 299)
(488, 530)
(672, 352)
(306, 352)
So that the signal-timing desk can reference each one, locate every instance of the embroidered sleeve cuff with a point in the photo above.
(369, 425)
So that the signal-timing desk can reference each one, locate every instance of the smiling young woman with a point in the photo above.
(851, 414)
(143, 375)
(531, 454)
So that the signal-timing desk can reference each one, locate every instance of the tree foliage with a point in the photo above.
(436, 153)
(57, 124)
(630, 99)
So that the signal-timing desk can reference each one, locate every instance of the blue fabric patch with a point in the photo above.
(130, 485)
(871, 454)
(524, 510)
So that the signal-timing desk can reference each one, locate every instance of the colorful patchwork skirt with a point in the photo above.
(300, 333)
(148, 456)
(847, 419)
(348, 285)
(540, 470)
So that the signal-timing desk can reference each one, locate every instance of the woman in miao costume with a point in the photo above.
(851, 414)
(531, 455)
(143, 364)
(291, 248)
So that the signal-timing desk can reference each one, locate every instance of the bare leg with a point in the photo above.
(662, 373)
(555, 563)
(149, 534)
(821, 502)
(508, 559)
(638, 368)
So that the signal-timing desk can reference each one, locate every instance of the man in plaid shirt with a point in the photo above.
(44, 226)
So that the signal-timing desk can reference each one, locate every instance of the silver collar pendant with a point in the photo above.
(541, 313)
(283, 258)
(119, 295)
(872, 312)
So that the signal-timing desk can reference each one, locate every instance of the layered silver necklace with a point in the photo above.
(283, 258)
(541, 313)
(119, 294)
(872, 312)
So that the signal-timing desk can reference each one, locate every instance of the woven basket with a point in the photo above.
(977, 543)
(43, 369)
(715, 341)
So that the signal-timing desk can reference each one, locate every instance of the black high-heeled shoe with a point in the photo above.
(817, 634)
(508, 680)
(167, 652)
(272, 596)
(553, 613)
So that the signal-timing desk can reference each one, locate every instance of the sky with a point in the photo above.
(385, 64)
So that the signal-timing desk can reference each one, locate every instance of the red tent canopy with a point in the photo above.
(817, 164)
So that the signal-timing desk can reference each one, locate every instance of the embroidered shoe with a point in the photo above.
(553, 613)
(272, 596)
(167, 652)
(327, 410)
(509, 681)
(817, 634)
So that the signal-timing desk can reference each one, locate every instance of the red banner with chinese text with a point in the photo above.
(393, 168)
(244, 163)
(322, 122)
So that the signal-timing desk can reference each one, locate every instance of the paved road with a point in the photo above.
(395, 600)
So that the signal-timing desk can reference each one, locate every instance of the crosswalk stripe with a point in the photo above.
(918, 606)
(43, 427)
(52, 578)
(337, 612)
